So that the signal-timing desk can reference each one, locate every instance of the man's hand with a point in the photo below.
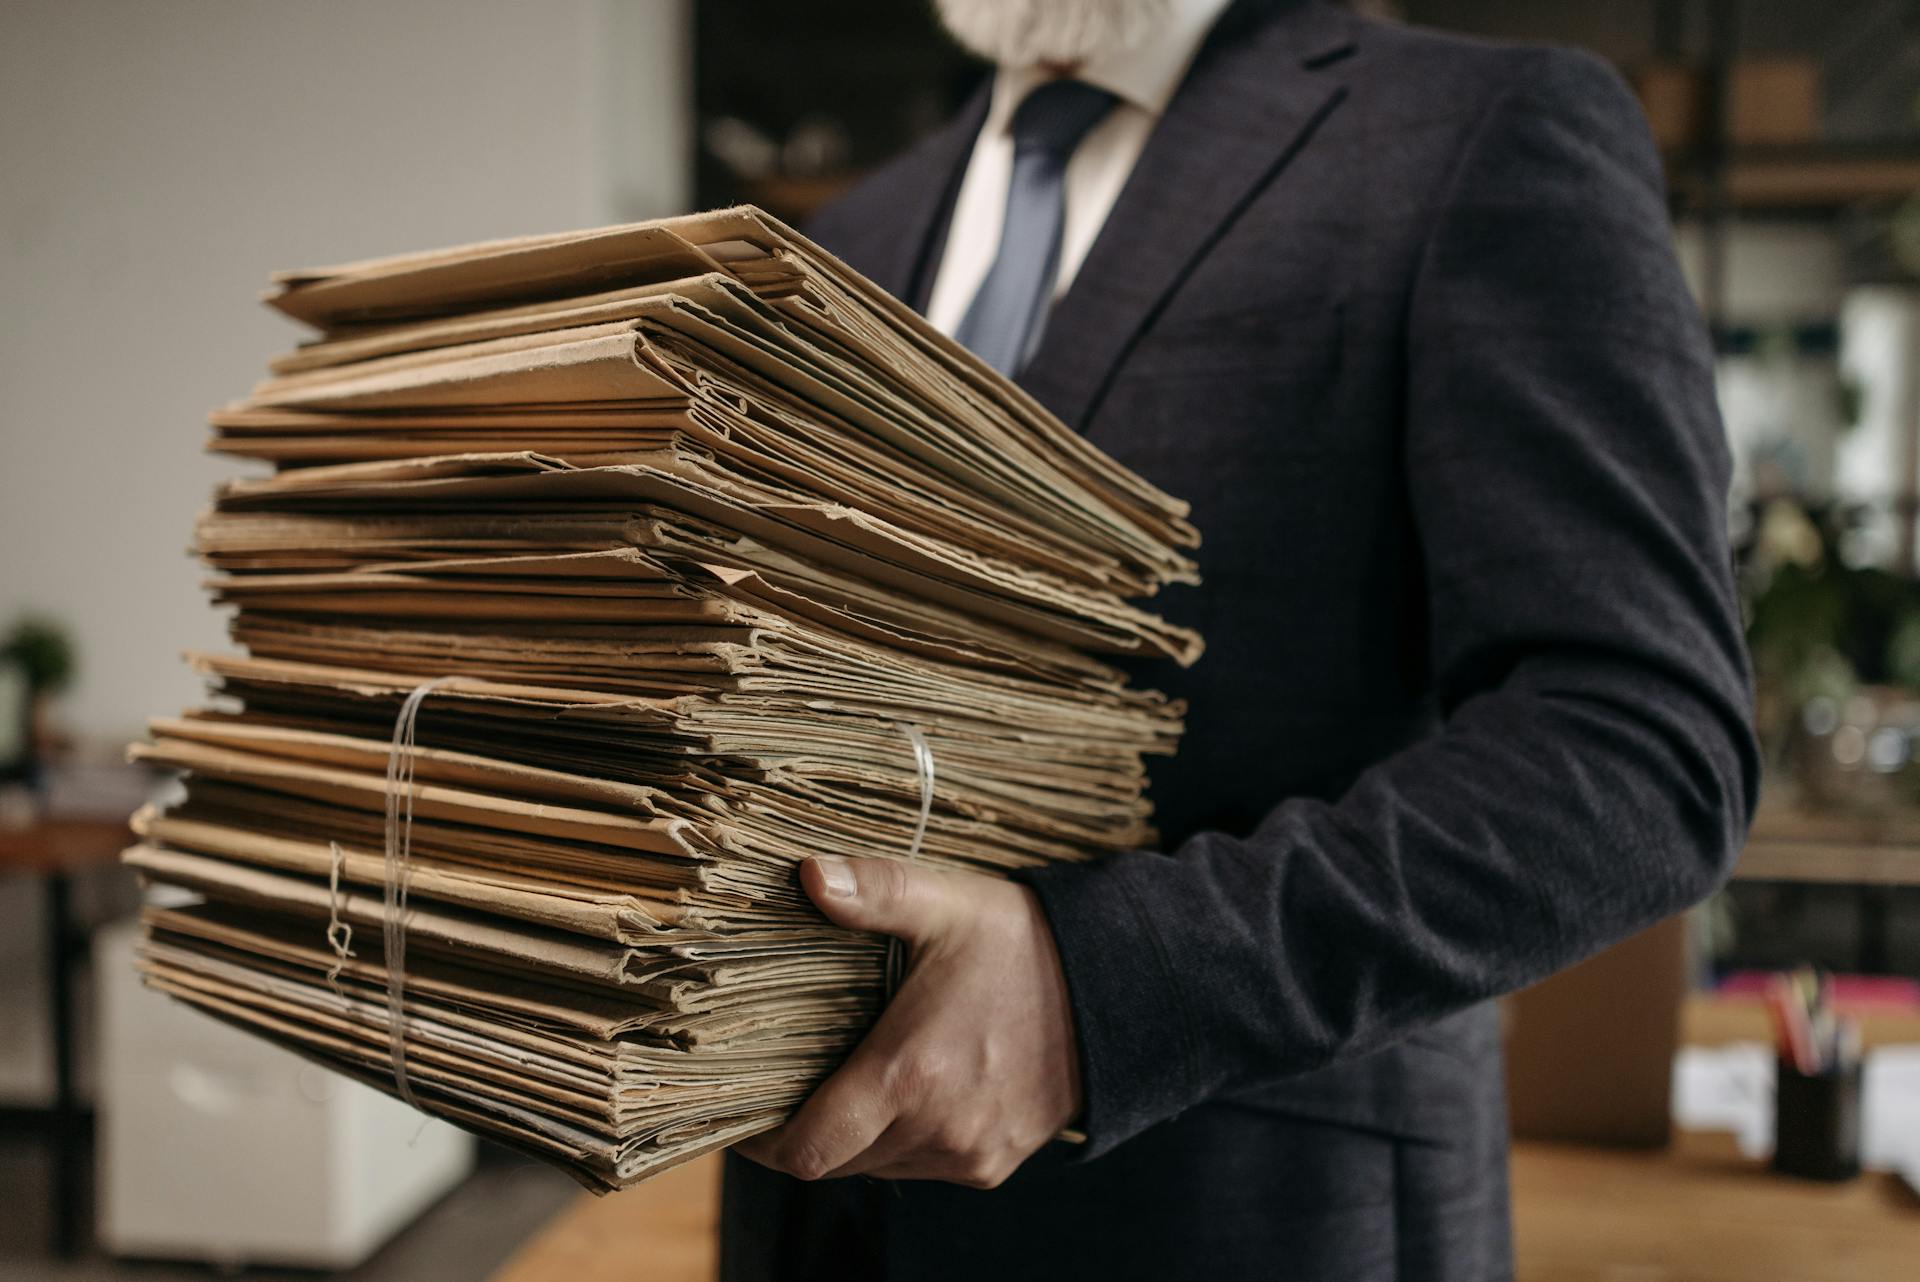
(971, 1067)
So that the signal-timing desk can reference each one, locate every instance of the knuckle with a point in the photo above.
(949, 1139)
(804, 1161)
(916, 1076)
(984, 1173)
(889, 881)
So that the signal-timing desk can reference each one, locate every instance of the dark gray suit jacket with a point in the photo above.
(1399, 314)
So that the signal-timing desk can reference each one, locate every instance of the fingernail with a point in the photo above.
(836, 876)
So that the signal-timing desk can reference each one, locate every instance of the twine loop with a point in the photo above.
(923, 766)
(339, 930)
(399, 854)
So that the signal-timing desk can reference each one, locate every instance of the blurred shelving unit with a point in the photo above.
(1746, 135)
(1822, 847)
(1871, 856)
(1814, 180)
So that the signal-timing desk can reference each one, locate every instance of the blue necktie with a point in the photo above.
(1003, 323)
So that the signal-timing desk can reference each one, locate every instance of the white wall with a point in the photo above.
(1880, 339)
(1782, 408)
(157, 160)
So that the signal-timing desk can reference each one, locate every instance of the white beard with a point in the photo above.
(1022, 33)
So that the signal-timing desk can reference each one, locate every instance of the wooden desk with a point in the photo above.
(1694, 1212)
(62, 845)
(54, 849)
(667, 1230)
(1699, 1212)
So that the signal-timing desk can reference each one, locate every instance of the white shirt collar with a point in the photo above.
(1144, 76)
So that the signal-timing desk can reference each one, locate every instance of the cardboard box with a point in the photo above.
(1590, 1051)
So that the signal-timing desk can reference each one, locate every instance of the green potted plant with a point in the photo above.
(1836, 653)
(39, 654)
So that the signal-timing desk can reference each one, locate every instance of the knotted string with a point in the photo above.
(339, 932)
(399, 850)
(923, 765)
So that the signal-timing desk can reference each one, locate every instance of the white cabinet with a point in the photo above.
(214, 1145)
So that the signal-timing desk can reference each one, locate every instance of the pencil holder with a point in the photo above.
(1816, 1119)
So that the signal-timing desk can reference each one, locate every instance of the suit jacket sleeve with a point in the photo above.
(1567, 473)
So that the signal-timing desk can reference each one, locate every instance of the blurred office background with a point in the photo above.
(162, 158)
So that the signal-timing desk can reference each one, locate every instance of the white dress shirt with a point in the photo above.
(1142, 78)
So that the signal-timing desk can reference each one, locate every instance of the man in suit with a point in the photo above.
(1398, 313)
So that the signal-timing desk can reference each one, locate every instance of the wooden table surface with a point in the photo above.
(666, 1230)
(1694, 1212)
(62, 844)
(1697, 1212)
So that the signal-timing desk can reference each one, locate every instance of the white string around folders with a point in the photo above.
(923, 766)
(399, 849)
(399, 852)
(339, 930)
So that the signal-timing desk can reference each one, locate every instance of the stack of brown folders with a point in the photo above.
(702, 536)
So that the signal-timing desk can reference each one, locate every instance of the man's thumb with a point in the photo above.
(881, 895)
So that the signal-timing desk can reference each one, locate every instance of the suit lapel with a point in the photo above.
(1259, 87)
